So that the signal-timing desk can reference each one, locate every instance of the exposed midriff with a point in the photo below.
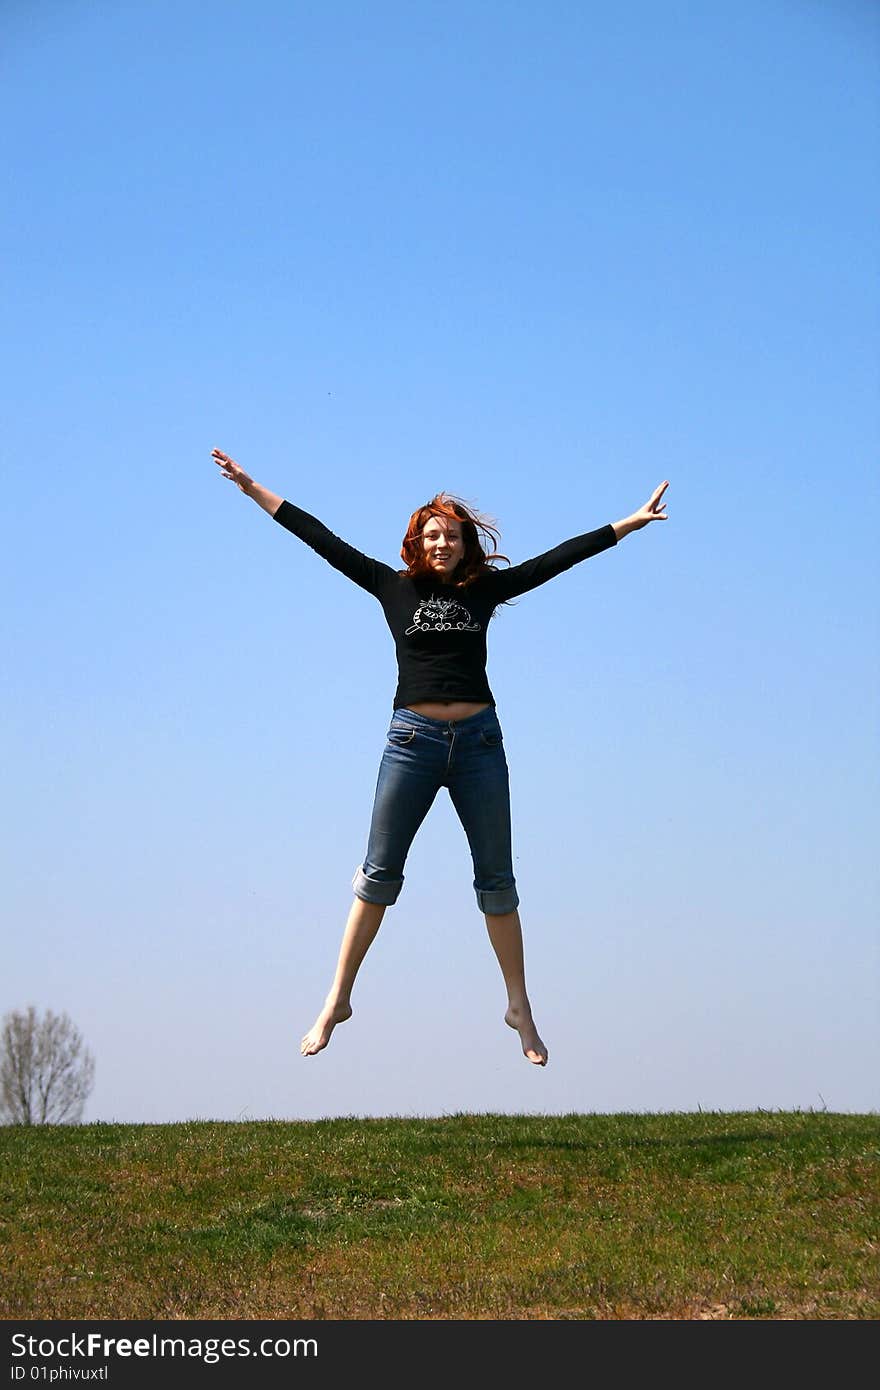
(447, 709)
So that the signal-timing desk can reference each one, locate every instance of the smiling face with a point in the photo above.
(443, 543)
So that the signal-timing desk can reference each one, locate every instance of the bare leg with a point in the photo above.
(505, 933)
(364, 921)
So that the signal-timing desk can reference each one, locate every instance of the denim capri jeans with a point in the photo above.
(421, 756)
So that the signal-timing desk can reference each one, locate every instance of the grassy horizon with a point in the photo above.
(764, 1214)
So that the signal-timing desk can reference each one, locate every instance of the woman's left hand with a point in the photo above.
(653, 510)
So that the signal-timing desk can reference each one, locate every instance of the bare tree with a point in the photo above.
(46, 1073)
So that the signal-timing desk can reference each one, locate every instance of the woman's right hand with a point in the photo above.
(269, 501)
(231, 470)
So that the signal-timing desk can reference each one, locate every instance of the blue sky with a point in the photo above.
(543, 257)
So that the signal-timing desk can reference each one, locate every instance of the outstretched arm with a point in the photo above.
(370, 574)
(653, 510)
(531, 573)
(269, 501)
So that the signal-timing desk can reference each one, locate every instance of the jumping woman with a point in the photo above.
(444, 730)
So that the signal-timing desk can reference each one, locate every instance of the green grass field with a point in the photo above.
(710, 1215)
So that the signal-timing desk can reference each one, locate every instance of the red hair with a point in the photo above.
(474, 528)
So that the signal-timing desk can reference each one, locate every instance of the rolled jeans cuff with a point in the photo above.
(371, 890)
(496, 901)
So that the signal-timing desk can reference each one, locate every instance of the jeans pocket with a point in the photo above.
(400, 734)
(492, 738)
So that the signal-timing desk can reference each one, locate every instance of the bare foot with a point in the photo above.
(318, 1035)
(521, 1019)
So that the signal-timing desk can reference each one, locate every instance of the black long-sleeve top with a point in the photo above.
(440, 630)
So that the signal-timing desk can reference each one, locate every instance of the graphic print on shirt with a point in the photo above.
(442, 615)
